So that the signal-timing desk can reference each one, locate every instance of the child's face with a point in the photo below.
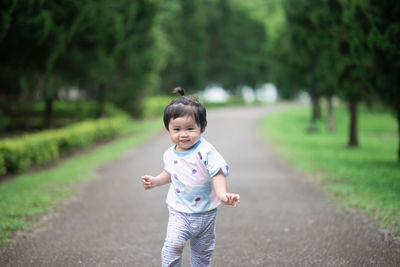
(184, 132)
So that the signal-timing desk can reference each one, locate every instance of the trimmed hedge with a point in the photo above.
(19, 154)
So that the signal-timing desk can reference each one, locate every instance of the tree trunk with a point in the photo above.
(353, 134)
(316, 111)
(316, 114)
(101, 101)
(49, 114)
(398, 133)
(331, 117)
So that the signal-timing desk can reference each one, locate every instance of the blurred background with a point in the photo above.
(74, 73)
(68, 61)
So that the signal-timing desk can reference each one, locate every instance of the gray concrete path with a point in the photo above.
(283, 219)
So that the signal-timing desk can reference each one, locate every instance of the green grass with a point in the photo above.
(366, 178)
(28, 197)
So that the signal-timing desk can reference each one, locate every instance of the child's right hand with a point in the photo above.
(230, 199)
(148, 181)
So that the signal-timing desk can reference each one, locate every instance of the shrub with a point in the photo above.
(18, 154)
(15, 155)
(154, 106)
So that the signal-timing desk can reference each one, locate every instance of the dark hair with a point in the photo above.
(185, 106)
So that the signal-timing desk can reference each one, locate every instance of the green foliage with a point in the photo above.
(64, 109)
(271, 13)
(122, 51)
(99, 46)
(187, 43)
(4, 122)
(236, 48)
(364, 178)
(29, 116)
(213, 41)
(39, 148)
(2, 165)
(28, 151)
(140, 55)
(383, 40)
(339, 47)
(308, 48)
(35, 34)
(154, 106)
(28, 197)
(81, 135)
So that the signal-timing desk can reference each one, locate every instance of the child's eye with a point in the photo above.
(190, 129)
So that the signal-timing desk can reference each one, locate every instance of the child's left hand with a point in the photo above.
(230, 199)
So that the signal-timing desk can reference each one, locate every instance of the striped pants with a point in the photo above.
(199, 228)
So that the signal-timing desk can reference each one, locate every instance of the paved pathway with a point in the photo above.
(283, 219)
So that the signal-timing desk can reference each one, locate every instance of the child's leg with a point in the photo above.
(177, 235)
(202, 245)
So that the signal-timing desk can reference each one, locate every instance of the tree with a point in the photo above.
(330, 40)
(187, 41)
(101, 46)
(140, 54)
(237, 46)
(355, 61)
(384, 41)
(326, 20)
(34, 36)
(92, 59)
(306, 43)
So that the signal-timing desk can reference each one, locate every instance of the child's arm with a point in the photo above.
(219, 183)
(161, 179)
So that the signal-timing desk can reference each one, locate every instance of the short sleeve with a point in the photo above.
(215, 162)
(166, 165)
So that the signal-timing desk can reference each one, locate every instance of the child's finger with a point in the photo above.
(230, 199)
(147, 186)
(146, 179)
(235, 199)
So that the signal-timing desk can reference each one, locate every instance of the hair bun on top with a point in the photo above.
(179, 90)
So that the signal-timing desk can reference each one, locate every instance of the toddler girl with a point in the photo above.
(197, 174)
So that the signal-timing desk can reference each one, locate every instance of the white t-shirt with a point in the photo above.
(191, 188)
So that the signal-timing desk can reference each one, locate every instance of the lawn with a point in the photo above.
(366, 179)
(28, 197)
